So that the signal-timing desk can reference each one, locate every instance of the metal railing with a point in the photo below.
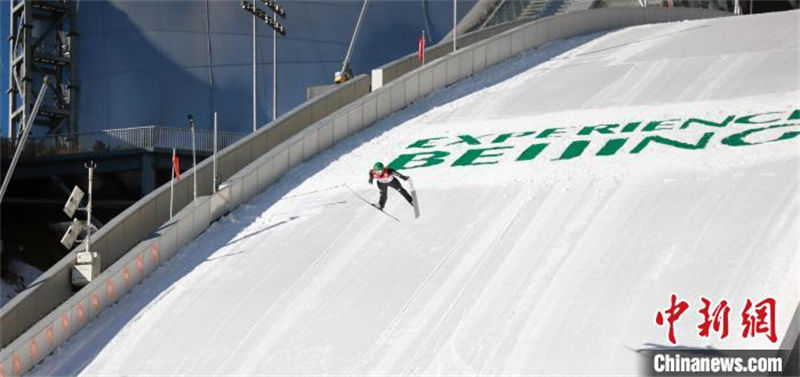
(147, 138)
(512, 10)
(506, 11)
(722, 5)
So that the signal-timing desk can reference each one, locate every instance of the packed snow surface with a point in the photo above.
(551, 253)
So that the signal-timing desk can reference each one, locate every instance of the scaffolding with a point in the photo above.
(42, 42)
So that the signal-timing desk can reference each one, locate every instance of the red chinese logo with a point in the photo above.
(716, 319)
(673, 313)
(763, 322)
(756, 319)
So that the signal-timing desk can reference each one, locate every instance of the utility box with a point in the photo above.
(83, 257)
(84, 272)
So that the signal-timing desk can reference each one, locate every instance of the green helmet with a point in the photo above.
(377, 166)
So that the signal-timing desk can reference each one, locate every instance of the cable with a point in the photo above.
(425, 18)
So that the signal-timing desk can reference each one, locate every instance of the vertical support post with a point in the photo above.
(214, 158)
(91, 166)
(255, 119)
(274, 70)
(11, 84)
(26, 31)
(194, 160)
(10, 101)
(172, 185)
(455, 24)
(72, 38)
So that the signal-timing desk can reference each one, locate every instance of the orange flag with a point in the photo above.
(421, 48)
(176, 166)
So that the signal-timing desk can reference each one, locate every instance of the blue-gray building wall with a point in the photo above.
(154, 62)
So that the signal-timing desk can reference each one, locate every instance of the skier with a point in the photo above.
(386, 178)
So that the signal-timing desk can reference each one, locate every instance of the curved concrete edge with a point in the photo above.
(255, 162)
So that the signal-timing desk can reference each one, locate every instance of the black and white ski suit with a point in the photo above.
(386, 178)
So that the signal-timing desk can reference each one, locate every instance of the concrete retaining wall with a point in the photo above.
(142, 237)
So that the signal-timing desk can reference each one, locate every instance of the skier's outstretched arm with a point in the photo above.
(398, 174)
(370, 178)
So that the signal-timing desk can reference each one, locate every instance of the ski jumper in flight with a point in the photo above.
(386, 178)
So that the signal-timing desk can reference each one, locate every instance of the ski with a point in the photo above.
(371, 204)
(414, 196)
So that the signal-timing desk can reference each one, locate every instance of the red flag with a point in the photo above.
(421, 48)
(176, 166)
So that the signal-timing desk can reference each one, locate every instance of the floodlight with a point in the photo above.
(72, 234)
(73, 202)
(275, 7)
(275, 25)
(269, 20)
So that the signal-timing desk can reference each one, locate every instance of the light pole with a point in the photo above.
(91, 165)
(250, 6)
(172, 182)
(255, 118)
(214, 161)
(87, 262)
(455, 23)
(274, 70)
(194, 158)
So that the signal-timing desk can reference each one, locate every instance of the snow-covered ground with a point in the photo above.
(538, 251)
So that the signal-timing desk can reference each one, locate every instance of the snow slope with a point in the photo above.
(521, 263)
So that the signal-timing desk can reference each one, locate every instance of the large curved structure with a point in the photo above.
(566, 195)
(153, 62)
